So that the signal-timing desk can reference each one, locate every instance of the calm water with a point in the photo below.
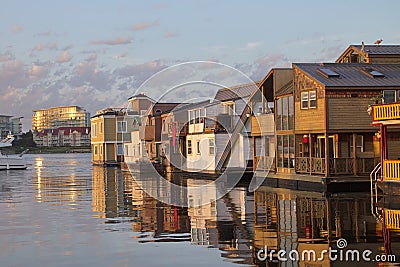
(64, 212)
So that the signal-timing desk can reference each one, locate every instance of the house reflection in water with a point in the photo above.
(241, 223)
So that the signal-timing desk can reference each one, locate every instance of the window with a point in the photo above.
(121, 127)
(304, 100)
(359, 144)
(126, 150)
(211, 145)
(101, 150)
(101, 127)
(198, 147)
(391, 96)
(189, 147)
(313, 99)
(309, 99)
(228, 108)
(120, 149)
(95, 150)
(94, 129)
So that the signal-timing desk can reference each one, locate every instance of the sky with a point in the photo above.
(96, 54)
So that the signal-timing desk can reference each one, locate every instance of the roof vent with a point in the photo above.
(372, 73)
(328, 73)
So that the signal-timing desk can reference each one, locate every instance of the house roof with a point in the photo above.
(378, 49)
(240, 91)
(188, 106)
(67, 131)
(372, 50)
(352, 75)
(142, 95)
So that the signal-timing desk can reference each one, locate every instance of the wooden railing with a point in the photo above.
(263, 163)
(337, 166)
(386, 112)
(310, 165)
(392, 219)
(391, 170)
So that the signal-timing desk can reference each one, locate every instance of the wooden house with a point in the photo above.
(333, 133)
(273, 114)
(375, 54)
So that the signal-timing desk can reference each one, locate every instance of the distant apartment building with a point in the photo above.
(10, 124)
(63, 136)
(65, 116)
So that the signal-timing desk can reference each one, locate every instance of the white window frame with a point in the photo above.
(189, 147)
(314, 98)
(198, 147)
(304, 100)
(211, 146)
(120, 149)
(122, 126)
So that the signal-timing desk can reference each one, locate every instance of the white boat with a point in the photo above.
(11, 162)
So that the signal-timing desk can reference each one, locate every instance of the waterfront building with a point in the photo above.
(64, 116)
(218, 133)
(109, 128)
(173, 135)
(323, 129)
(63, 136)
(274, 114)
(375, 54)
(10, 124)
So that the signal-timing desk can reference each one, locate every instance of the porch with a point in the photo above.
(337, 166)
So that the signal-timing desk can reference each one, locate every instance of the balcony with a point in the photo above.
(386, 112)
(392, 219)
(337, 166)
(391, 170)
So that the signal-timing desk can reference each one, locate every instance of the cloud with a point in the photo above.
(252, 45)
(123, 55)
(144, 25)
(92, 57)
(48, 33)
(6, 57)
(261, 66)
(170, 35)
(64, 57)
(16, 28)
(115, 41)
(41, 47)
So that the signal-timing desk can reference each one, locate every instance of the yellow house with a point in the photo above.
(109, 128)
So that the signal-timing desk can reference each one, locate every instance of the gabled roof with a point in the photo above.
(372, 50)
(378, 49)
(189, 106)
(240, 91)
(142, 95)
(352, 75)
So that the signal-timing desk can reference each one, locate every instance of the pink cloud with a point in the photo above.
(115, 41)
(64, 57)
(170, 35)
(144, 25)
(16, 28)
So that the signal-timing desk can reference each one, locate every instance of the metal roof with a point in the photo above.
(353, 75)
(379, 49)
(236, 92)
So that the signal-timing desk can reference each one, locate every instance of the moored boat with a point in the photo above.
(11, 162)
